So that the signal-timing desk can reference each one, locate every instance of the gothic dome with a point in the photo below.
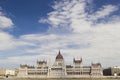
(59, 56)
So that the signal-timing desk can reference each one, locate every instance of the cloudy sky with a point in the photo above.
(32, 30)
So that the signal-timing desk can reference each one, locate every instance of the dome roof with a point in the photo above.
(59, 56)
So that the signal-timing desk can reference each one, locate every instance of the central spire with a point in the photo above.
(59, 52)
(59, 56)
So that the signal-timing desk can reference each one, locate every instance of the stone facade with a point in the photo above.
(60, 69)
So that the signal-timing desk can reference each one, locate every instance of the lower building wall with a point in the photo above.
(58, 74)
(53, 76)
(74, 76)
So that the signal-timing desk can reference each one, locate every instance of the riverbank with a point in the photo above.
(82, 78)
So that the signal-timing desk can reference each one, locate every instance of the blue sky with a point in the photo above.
(32, 30)
(24, 12)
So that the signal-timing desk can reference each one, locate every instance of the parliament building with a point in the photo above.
(59, 69)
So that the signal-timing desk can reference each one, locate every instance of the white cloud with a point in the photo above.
(6, 41)
(68, 13)
(100, 42)
(103, 12)
(5, 22)
(11, 62)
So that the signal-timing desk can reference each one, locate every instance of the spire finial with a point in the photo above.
(59, 51)
(81, 59)
(74, 59)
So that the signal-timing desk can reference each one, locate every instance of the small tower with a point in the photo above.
(41, 64)
(96, 69)
(77, 63)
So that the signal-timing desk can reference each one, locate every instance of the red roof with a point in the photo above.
(59, 56)
(23, 66)
(26, 66)
(69, 66)
(41, 62)
(96, 65)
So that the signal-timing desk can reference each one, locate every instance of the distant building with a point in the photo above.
(107, 72)
(60, 69)
(10, 72)
(115, 71)
(112, 71)
(2, 72)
